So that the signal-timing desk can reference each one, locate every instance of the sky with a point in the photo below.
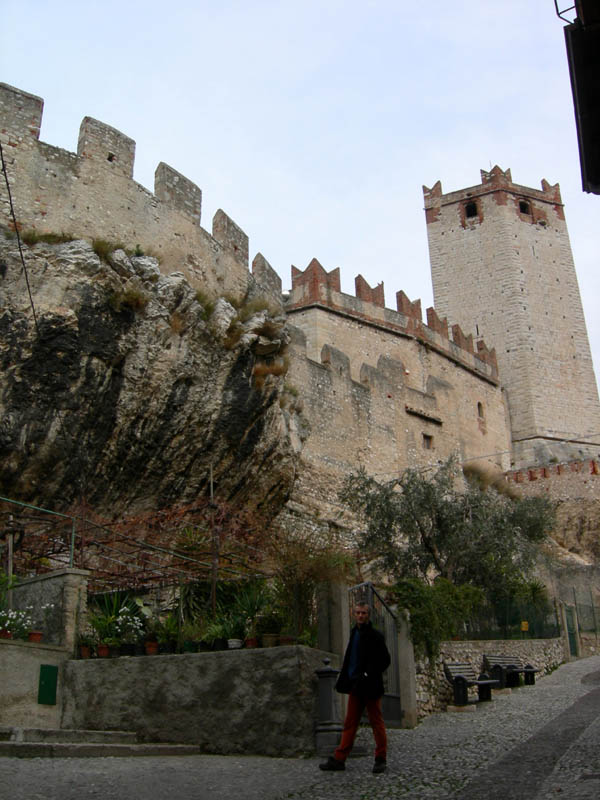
(314, 125)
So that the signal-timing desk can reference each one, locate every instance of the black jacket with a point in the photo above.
(373, 660)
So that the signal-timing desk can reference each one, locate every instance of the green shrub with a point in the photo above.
(207, 303)
(33, 237)
(436, 611)
(133, 299)
(103, 248)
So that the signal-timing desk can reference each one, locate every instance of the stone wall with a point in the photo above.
(236, 701)
(92, 194)
(377, 398)
(19, 682)
(575, 488)
(434, 693)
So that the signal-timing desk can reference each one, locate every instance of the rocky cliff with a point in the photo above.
(121, 386)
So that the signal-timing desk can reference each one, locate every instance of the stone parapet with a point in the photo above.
(314, 287)
(92, 194)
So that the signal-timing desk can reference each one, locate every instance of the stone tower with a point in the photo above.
(502, 268)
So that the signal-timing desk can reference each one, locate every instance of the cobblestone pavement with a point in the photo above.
(539, 743)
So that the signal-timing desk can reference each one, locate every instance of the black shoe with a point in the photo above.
(332, 765)
(379, 766)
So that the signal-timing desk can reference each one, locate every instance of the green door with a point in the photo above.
(571, 630)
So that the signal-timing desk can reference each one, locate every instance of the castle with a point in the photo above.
(501, 372)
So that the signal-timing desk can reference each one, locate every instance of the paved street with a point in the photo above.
(537, 743)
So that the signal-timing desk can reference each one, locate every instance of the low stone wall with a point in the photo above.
(236, 701)
(66, 591)
(19, 682)
(434, 692)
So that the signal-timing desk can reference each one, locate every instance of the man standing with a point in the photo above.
(365, 661)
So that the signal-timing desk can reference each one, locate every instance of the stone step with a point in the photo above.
(92, 750)
(65, 735)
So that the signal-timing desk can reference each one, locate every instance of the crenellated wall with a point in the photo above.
(319, 290)
(574, 487)
(92, 194)
(381, 398)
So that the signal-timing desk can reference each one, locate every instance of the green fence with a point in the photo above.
(512, 620)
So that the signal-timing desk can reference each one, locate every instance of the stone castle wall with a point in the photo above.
(379, 395)
(575, 488)
(502, 268)
(92, 194)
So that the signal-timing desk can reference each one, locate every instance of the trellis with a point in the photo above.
(167, 547)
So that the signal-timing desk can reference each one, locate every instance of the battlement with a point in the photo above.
(588, 466)
(92, 193)
(315, 287)
(497, 182)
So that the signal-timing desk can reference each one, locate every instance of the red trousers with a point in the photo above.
(356, 706)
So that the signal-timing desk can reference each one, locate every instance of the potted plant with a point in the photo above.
(191, 633)
(268, 626)
(168, 632)
(103, 626)
(214, 634)
(18, 622)
(85, 643)
(234, 630)
(129, 630)
(151, 636)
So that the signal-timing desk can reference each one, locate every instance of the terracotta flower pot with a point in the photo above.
(35, 636)
(252, 641)
(102, 650)
(4, 634)
(151, 648)
(85, 651)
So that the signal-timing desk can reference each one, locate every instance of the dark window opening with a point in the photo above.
(524, 207)
(471, 210)
(111, 157)
(480, 410)
(427, 442)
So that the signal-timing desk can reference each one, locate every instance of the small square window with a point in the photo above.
(427, 442)
(524, 207)
(471, 210)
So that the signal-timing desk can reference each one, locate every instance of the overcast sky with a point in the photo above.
(315, 124)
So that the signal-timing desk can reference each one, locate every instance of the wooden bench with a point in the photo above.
(462, 675)
(507, 670)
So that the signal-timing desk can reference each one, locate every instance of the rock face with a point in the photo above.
(125, 386)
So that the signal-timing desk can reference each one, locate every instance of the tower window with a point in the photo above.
(524, 207)
(480, 410)
(471, 209)
(427, 442)
(110, 157)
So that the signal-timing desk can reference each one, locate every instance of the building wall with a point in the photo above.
(20, 664)
(507, 274)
